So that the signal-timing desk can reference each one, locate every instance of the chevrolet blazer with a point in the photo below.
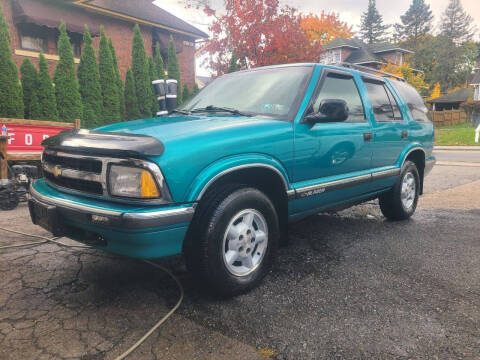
(220, 177)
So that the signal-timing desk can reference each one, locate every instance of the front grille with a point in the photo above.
(74, 172)
(74, 163)
(91, 187)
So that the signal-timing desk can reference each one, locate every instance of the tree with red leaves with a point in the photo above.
(259, 33)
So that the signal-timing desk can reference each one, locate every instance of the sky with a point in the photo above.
(349, 11)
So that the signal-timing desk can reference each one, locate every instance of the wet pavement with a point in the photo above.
(350, 285)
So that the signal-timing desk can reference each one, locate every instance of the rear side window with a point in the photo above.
(414, 101)
(339, 86)
(384, 104)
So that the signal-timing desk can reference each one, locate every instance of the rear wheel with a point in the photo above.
(401, 202)
(232, 239)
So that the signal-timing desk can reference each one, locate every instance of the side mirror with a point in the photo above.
(330, 110)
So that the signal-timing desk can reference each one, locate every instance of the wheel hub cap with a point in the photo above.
(245, 242)
(408, 190)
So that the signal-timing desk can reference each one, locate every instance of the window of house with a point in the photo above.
(343, 87)
(384, 104)
(331, 57)
(33, 38)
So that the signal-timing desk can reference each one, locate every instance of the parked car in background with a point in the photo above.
(220, 178)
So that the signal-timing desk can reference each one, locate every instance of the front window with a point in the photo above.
(274, 92)
(339, 86)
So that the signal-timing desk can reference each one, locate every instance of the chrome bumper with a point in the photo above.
(126, 220)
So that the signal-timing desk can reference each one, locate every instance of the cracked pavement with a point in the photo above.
(350, 285)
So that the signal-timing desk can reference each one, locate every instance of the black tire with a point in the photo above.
(8, 199)
(391, 202)
(204, 245)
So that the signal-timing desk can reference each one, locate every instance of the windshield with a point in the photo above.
(273, 92)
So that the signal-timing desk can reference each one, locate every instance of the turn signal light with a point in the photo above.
(148, 185)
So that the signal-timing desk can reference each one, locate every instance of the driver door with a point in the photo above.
(333, 159)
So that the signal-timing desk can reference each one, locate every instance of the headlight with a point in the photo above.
(132, 182)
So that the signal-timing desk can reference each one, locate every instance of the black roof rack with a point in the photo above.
(369, 70)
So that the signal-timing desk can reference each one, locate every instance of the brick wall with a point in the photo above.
(121, 33)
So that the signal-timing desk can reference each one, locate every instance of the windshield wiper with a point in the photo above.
(212, 108)
(184, 112)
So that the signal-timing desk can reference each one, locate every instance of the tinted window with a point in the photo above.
(396, 109)
(414, 101)
(272, 92)
(342, 87)
(382, 108)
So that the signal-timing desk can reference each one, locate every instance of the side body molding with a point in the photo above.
(228, 165)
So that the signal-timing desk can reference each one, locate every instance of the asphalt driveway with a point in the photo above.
(349, 286)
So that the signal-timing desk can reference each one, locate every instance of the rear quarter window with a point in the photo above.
(413, 100)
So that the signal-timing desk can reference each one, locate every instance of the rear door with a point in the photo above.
(390, 129)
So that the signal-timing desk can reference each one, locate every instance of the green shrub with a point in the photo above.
(89, 82)
(141, 74)
(11, 95)
(108, 83)
(118, 78)
(69, 101)
(29, 83)
(174, 68)
(44, 103)
(131, 104)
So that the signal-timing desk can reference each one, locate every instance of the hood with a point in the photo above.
(178, 128)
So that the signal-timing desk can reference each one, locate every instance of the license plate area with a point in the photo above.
(46, 216)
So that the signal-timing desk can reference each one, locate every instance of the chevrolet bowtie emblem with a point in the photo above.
(57, 171)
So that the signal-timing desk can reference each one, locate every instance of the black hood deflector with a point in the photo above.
(100, 143)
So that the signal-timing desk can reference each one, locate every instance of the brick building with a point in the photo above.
(34, 28)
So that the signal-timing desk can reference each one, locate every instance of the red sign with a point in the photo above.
(27, 138)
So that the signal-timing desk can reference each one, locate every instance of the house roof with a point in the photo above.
(142, 11)
(363, 53)
(341, 42)
(458, 96)
(49, 14)
(476, 79)
(385, 47)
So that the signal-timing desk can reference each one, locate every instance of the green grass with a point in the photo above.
(455, 135)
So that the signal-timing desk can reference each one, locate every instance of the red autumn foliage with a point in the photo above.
(260, 33)
(326, 27)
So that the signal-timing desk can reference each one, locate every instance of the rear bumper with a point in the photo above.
(125, 230)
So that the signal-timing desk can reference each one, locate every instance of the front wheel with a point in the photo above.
(401, 202)
(233, 239)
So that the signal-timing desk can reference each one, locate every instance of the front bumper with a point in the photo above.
(127, 230)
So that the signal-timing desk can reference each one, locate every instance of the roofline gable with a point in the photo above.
(340, 47)
(393, 49)
(85, 4)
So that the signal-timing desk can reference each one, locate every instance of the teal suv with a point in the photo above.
(219, 178)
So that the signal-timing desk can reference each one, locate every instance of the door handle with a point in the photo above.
(368, 136)
(404, 134)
